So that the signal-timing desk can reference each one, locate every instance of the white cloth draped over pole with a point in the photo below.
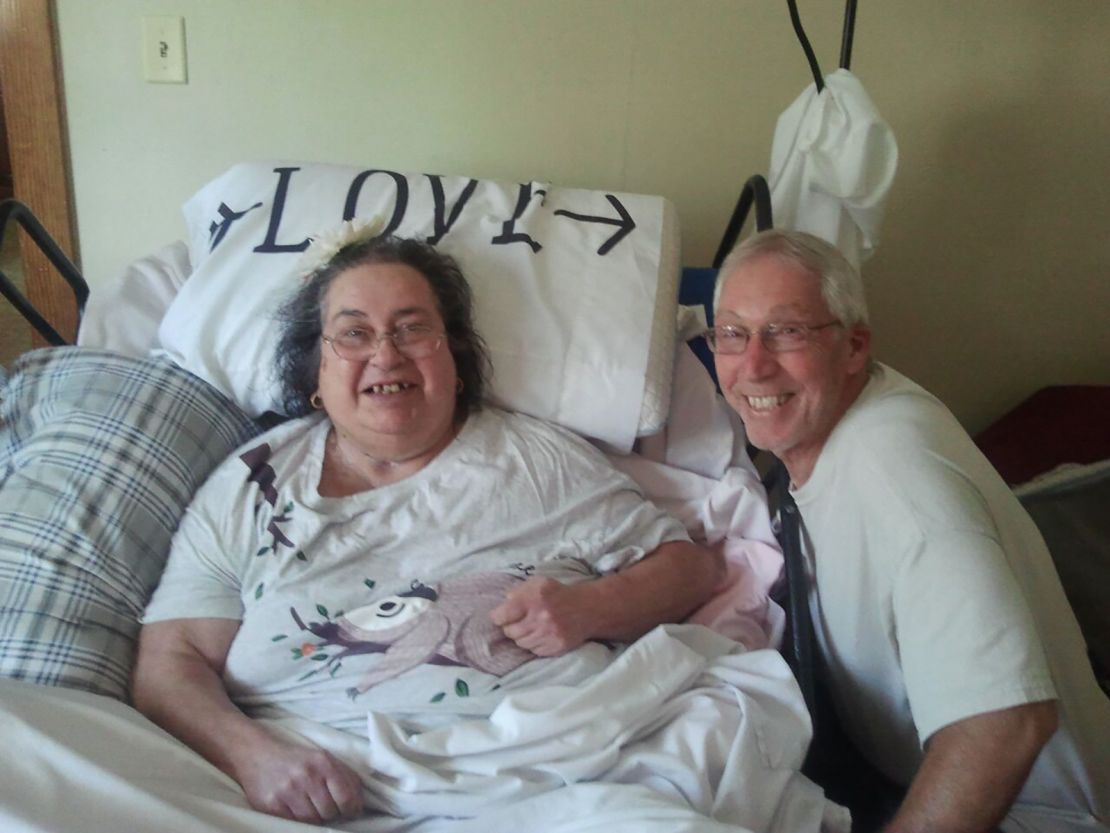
(833, 160)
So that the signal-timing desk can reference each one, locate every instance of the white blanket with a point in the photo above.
(685, 731)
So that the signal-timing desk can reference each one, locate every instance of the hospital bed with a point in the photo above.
(102, 445)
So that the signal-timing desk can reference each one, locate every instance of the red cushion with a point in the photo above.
(1059, 424)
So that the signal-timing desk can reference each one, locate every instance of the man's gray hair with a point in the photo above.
(841, 284)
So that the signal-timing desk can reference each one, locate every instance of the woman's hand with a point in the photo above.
(549, 618)
(178, 684)
(298, 782)
(545, 616)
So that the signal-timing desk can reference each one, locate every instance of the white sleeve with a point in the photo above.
(606, 513)
(965, 635)
(202, 579)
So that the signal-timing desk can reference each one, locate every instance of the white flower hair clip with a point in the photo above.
(327, 244)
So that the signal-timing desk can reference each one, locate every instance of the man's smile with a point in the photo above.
(762, 404)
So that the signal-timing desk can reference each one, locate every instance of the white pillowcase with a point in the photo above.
(124, 314)
(575, 290)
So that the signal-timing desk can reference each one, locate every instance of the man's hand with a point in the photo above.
(299, 782)
(545, 616)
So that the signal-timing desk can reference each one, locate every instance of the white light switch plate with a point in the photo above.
(164, 49)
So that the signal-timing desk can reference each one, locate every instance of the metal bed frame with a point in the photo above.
(13, 211)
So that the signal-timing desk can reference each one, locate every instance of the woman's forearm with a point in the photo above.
(178, 684)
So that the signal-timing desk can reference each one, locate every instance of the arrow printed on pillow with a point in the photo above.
(625, 222)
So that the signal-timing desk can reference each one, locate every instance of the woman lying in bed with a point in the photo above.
(403, 553)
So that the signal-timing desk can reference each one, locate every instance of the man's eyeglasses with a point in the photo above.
(776, 338)
(358, 345)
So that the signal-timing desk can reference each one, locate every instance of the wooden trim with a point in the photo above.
(30, 76)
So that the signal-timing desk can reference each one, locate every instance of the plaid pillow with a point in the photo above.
(99, 456)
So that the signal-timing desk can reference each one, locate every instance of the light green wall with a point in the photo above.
(994, 274)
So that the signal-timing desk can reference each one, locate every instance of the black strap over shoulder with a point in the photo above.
(799, 650)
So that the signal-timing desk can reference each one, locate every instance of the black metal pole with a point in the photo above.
(814, 68)
(849, 32)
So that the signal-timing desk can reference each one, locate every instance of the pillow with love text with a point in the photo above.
(575, 290)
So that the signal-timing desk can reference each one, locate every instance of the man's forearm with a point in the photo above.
(973, 771)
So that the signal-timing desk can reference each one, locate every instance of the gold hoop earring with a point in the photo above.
(315, 401)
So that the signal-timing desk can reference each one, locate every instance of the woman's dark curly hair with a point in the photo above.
(298, 351)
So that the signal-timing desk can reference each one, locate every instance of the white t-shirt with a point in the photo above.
(936, 599)
(379, 601)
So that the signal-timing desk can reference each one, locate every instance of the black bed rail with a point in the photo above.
(755, 192)
(14, 211)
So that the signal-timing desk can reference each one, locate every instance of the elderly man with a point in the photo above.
(954, 661)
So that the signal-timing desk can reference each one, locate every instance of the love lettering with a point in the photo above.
(443, 219)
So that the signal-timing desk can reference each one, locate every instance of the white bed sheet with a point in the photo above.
(83, 762)
(681, 728)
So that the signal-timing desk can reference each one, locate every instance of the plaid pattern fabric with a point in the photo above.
(99, 456)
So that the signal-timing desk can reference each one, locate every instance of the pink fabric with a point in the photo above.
(698, 470)
(742, 609)
(730, 514)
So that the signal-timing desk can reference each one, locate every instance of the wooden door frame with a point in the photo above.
(30, 72)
